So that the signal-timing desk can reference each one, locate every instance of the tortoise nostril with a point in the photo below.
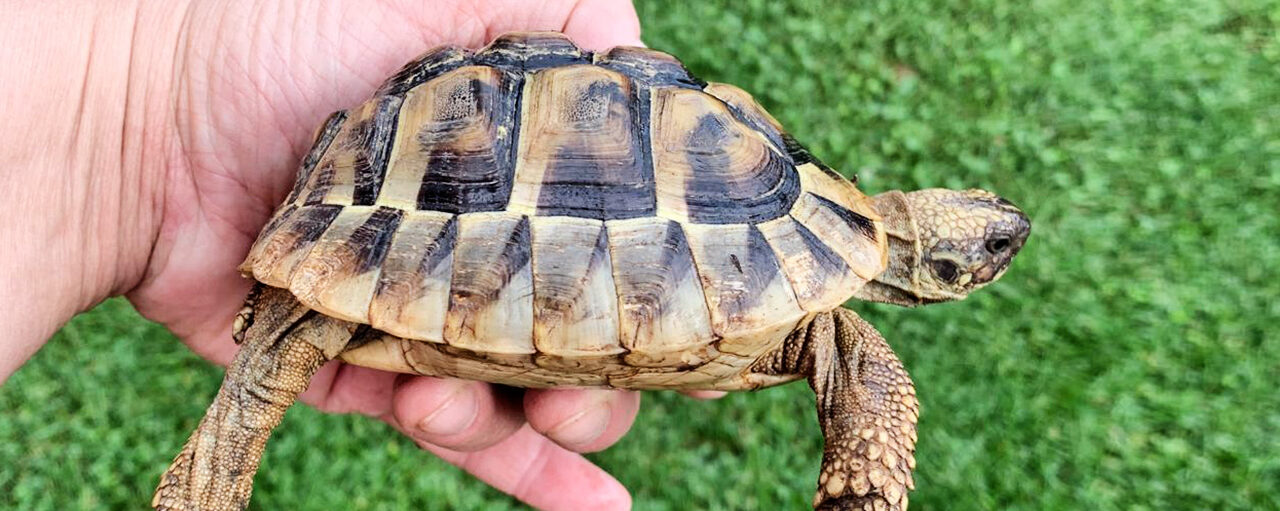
(997, 245)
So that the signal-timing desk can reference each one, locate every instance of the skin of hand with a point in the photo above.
(151, 141)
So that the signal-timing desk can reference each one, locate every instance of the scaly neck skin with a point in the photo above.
(897, 283)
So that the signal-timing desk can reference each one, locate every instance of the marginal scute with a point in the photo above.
(442, 360)
(454, 147)
(491, 295)
(750, 300)
(412, 296)
(858, 239)
(282, 215)
(431, 64)
(340, 273)
(575, 301)
(820, 180)
(273, 264)
(581, 153)
(663, 314)
(528, 51)
(649, 67)
(711, 168)
(821, 279)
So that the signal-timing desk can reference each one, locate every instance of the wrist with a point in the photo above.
(84, 117)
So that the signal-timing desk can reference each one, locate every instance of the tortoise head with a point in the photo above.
(944, 244)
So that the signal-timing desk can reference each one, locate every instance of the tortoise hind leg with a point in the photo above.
(284, 345)
(867, 409)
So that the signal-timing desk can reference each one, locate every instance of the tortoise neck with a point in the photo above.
(898, 282)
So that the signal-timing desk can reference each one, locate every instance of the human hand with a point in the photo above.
(254, 86)
(221, 101)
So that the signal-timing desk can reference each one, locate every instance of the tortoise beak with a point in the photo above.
(1004, 242)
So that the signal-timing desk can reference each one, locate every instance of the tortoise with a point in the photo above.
(537, 215)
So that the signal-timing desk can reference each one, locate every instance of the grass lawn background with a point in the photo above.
(1127, 361)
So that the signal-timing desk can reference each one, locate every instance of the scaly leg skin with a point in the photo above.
(867, 409)
(284, 345)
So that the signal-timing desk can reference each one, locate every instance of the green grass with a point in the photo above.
(1126, 361)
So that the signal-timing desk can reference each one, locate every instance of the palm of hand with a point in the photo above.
(246, 104)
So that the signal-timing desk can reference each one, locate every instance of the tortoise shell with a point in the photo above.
(535, 214)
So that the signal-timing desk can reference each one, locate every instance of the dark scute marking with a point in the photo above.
(332, 125)
(767, 192)
(531, 51)
(858, 222)
(601, 251)
(371, 240)
(650, 68)
(833, 174)
(322, 184)
(311, 222)
(519, 247)
(641, 129)
(514, 97)
(586, 188)
(799, 154)
(432, 256)
(677, 256)
(828, 261)
(375, 144)
(578, 182)
(430, 65)
(440, 248)
(461, 181)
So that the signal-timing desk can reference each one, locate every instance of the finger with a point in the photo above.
(704, 394)
(603, 24)
(581, 420)
(540, 473)
(344, 388)
(592, 24)
(457, 414)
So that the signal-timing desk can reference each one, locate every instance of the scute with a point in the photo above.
(750, 299)
(535, 214)
(580, 152)
(575, 303)
(339, 275)
(455, 149)
(650, 68)
(528, 51)
(711, 168)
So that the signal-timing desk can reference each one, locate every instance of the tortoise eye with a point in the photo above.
(946, 270)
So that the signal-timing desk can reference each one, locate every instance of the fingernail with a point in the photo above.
(454, 414)
(706, 394)
(583, 427)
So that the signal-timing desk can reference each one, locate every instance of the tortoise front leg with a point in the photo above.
(284, 345)
(867, 409)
